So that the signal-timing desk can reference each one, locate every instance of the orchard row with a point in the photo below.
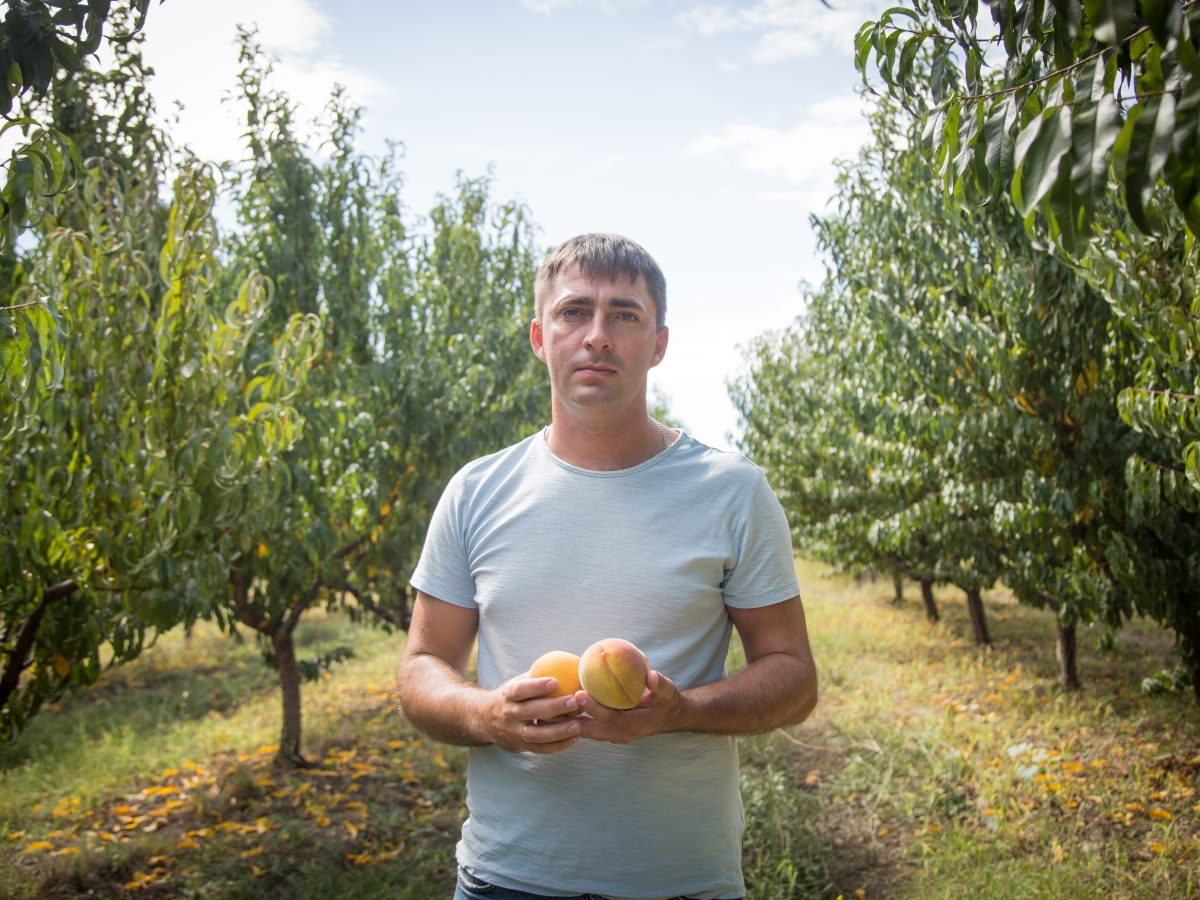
(999, 378)
(240, 423)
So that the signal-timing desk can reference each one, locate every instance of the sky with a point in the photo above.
(707, 132)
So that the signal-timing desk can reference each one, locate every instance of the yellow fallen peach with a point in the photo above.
(614, 671)
(561, 666)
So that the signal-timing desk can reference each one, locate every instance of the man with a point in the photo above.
(605, 524)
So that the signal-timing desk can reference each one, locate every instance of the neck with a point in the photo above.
(607, 446)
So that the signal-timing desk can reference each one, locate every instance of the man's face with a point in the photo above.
(598, 340)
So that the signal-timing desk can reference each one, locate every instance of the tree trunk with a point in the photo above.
(17, 659)
(289, 684)
(1068, 674)
(279, 632)
(978, 619)
(931, 610)
(898, 584)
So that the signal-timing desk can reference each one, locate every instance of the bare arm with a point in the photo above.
(439, 700)
(777, 687)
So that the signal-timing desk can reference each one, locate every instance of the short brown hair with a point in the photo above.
(608, 256)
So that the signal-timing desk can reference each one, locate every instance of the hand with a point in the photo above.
(523, 718)
(657, 710)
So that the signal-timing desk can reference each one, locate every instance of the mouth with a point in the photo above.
(596, 369)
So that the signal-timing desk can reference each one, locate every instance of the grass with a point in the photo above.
(931, 768)
(934, 768)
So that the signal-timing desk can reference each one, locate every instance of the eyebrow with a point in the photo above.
(588, 300)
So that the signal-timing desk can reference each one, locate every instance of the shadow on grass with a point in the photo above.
(1026, 636)
(142, 700)
(178, 680)
(377, 815)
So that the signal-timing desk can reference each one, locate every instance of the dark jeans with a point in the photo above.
(471, 888)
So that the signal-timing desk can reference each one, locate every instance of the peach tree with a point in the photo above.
(1086, 114)
(425, 365)
(952, 395)
(128, 466)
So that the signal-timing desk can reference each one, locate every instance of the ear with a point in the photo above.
(535, 339)
(660, 347)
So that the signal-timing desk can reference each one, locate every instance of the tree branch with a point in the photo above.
(296, 611)
(1065, 69)
(39, 302)
(15, 663)
(1026, 84)
(351, 547)
(372, 607)
(245, 613)
(1161, 466)
(1174, 395)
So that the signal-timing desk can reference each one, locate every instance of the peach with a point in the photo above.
(614, 672)
(561, 666)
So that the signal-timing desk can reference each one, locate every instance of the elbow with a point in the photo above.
(807, 695)
(404, 685)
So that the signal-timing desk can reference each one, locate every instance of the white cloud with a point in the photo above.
(783, 29)
(779, 46)
(802, 155)
(612, 162)
(193, 51)
(550, 7)
(710, 21)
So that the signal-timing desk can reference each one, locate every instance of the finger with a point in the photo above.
(553, 746)
(540, 735)
(660, 685)
(612, 730)
(520, 689)
(543, 708)
(595, 708)
(551, 708)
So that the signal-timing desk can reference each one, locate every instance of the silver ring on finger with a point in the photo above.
(524, 735)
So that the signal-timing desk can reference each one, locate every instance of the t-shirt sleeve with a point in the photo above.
(764, 572)
(443, 570)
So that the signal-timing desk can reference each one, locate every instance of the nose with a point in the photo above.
(597, 337)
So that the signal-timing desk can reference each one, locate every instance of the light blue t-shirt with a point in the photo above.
(556, 557)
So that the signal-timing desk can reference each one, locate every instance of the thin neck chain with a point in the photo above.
(663, 431)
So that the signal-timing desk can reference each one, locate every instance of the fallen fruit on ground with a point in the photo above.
(613, 671)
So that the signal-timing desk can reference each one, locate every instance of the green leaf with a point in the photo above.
(67, 57)
(1069, 217)
(1094, 129)
(23, 123)
(1183, 168)
(863, 41)
(907, 55)
(899, 11)
(1191, 461)
(1068, 12)
(1091, 81)
(1147, 144)
(1112, 20)
(998, 136)
(1041, 147)
(1163, 17)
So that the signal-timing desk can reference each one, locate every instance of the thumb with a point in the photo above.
(659, 684)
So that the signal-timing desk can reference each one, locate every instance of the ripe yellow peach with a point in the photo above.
(614, 672)
(561, 666)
